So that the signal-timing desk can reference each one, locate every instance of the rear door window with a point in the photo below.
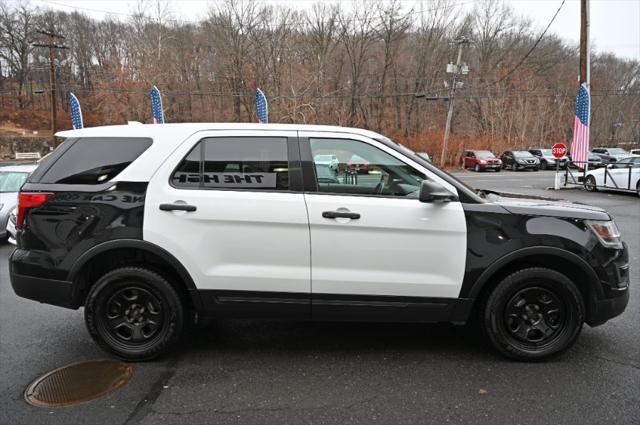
(250, 163)
(94, 160)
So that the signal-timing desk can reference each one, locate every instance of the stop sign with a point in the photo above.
(559, 150)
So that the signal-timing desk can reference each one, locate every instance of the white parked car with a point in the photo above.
(623, 175)
(330, 161)
(11, 179)
(11, 227)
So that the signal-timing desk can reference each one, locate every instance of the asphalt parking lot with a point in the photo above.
(298, 372)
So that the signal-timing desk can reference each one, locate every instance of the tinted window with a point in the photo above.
(364, 170)
(236, 163)
(95, 160)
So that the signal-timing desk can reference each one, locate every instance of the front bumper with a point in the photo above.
(615, 289)
(490, 166)
(527, 166)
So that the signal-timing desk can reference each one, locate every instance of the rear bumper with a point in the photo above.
(44, 290)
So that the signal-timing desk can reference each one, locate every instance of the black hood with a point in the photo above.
(543, 206)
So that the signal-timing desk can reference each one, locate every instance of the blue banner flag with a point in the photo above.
(156, 106)
(76, 112)
(262, 107)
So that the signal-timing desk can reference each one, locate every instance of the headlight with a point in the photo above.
(522, 161)
(607, 232)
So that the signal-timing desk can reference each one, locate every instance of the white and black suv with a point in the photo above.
(150, 227)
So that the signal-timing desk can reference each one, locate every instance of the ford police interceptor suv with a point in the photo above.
(151, 227)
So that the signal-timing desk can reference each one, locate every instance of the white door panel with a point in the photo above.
(246, 240)
(397, 247)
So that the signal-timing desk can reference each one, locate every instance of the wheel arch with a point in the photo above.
(128, 252)
(560, 260)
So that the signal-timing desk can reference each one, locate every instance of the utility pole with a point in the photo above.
(456, 70)
(52, 46)
(585, 76)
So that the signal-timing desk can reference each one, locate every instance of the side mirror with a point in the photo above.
(433, 192)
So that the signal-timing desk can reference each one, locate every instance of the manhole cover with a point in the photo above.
(77, 383)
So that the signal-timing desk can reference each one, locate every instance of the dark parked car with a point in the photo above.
(520, 160)
(594, 162)
(547, 160)
(480, 160)
(609, 155)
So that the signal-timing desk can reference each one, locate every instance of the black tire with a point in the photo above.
(144, 306)
(536, 169)
(476, 168)
(514, 167)
(515, 319)
(498, 170)
(638, 188)
(543, 165)
(590, 184)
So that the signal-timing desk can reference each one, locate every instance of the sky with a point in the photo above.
(615, 24)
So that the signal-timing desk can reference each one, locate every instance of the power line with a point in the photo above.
(533, 47)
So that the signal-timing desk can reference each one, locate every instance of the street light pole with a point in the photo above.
(461, 41)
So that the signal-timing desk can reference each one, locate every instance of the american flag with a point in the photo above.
(262, 107)
(76, 112)
(156, 106)
(580, 143)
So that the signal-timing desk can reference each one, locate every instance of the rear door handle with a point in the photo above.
(177, 207)
(340, 214)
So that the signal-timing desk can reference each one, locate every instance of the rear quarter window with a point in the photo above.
(90, 160)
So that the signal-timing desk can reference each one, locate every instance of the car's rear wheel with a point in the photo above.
(134, 313)
(534, 314)
(590, 184)
(476, 168)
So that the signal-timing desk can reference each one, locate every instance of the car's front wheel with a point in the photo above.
(533, 314)
(476, 168)
(134, 313)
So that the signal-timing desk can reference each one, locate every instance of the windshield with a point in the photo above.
(522, 154)
(11, 181)
(617, 151)
(484, 154)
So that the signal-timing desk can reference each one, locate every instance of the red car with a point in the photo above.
(358, 164)
(480, 160)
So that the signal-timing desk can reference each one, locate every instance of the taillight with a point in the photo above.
(28, 200)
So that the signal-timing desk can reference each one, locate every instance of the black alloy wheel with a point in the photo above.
(134, 313)
(534, 314)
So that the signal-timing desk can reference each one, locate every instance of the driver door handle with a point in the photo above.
(340, 214)
(177, 207)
